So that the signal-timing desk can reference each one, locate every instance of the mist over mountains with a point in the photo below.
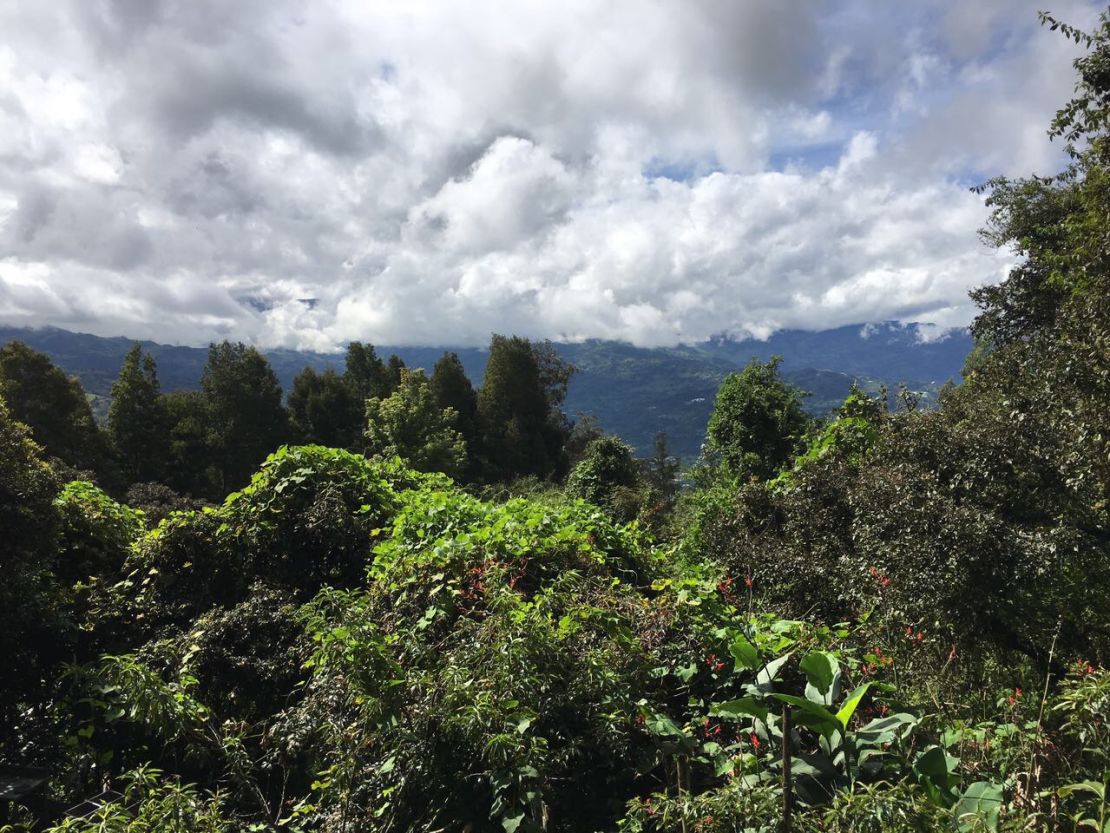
(633, 391)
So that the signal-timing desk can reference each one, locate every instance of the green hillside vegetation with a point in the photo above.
(892, 619)
(635, 392)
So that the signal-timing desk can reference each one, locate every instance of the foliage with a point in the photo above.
(366, 373)
(151, 802)
(243, 406)
(192, 469)
(52, 406)
(523, 430)
(452, 390)
(757, 420)
(33, 640)
(324, 409)
(411, 425)
(96, 533)
(137, 425)
(610, 477)
(157, 501)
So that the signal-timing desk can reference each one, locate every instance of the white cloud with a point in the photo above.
(428, 172)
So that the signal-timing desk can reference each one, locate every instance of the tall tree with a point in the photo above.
(243, 400)
(192, 467)
(137, 423)
(324, 409)
(366, 374)
(410, 424)
(394, 370)
(452, 389)
(662, 468)
(523, 430)
(53, 406)
(757, 420)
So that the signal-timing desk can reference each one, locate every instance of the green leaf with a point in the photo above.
(744, 653)
(744, 706)
(511, 823)
(851, 704)
(884, 729)
(820, 668)
(936, 770)
(981, 802)
(1092, 787)
(811, 714)
(770, 671)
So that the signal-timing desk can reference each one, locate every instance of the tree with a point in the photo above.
(192, 468)
(323, 409)
(452, 389)
(523, 430)
(393, 372)
(410, 424)
(52, 406)
(243, 401)
(366, 374)
(757, 421)
(609, 477)
(662, 468)
(137, 421)
(585, 430)
(31, 639)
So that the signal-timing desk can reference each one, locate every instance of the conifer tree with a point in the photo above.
(192, 466)
(323, 409)
(247, 420)
(452, 389)
(137, 424)
(366, 374)
(394, 372)
(521, 432)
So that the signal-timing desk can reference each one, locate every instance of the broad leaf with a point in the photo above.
(742, 707)
(811, 714)
(744, 653)
(980, 802)
(851, 704)
(820, 669)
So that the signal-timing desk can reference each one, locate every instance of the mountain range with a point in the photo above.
(633, 391)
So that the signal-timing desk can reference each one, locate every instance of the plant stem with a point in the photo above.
(787, 783)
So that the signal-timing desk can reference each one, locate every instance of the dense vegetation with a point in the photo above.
(636, 392)
(894, 619)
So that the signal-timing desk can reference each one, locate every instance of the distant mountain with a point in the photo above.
(633, 391)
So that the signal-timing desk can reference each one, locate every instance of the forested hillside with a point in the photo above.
(634, 392)
(396, 600)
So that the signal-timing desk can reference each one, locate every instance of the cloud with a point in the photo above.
(428, 172)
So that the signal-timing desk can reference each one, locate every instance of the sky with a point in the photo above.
(302, 174)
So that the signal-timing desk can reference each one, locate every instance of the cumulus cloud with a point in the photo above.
(303, 174)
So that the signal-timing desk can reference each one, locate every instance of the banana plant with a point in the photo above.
(827, 754)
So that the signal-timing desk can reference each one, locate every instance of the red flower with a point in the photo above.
(748, 582)
(756, 745)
